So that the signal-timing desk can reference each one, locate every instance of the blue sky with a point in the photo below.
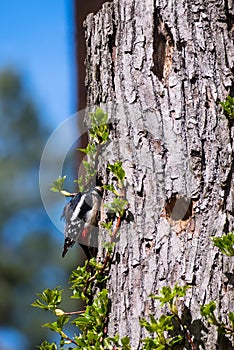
(37, 38)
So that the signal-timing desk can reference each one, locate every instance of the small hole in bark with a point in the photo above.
(117, 257)
(157, 250)
(97, 73)
(179, 208)
(163, 46)
(195, 153)
(148, 246)
(193, 80)
(159, 56)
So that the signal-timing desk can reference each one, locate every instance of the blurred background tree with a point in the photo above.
(30, 258)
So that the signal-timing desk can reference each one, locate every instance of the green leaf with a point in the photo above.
(207, 311)
(110, 341)
(99, 132)
(208, 308)
(175, 340)
(107, 225)
(57, 326)
(79, 280)
(90, 150)
(91, 171)
(38, 303)
(99, 117)
(111, 188)
(94, 317)
(57, 185)
(150, 343)
(225, 243)
(83, 150)
(95, 264)
(80, 182)
(231, 316)
(51, 298)
(163, 324)
(170, 295)
(161, 327)
(231, 319)
(228, 106)
(62, 320)
(117, 206)
(125, 342)
(52, 326)
(109, 246)
(80, 276)
(117, 170)
(47, 346)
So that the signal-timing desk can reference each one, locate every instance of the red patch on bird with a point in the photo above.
(84, 233)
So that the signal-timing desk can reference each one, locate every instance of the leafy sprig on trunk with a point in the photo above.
(85, 280)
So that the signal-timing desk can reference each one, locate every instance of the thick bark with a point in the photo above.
(161, 67)
(82, 9)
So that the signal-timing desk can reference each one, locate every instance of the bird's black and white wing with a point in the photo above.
(81, 216)
(72, 229)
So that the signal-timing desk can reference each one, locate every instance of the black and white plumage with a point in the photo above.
(81, 219)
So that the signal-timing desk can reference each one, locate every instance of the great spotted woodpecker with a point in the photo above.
(81, 219)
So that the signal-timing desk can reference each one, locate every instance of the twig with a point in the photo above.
(69, 339)
(74, 312)
(228, 329)
(186, 332)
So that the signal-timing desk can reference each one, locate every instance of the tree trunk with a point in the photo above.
(160, 68)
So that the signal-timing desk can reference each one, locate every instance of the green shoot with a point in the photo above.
(225, 243)
(228, 106)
